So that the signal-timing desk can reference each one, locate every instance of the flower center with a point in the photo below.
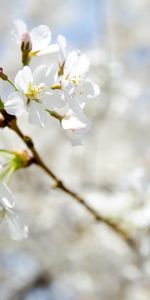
(33, 92)
(75, 79)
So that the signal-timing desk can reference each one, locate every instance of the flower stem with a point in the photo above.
(12, 84)
(60, 185)
(55, 114)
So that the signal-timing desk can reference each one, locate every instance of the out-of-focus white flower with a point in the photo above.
(40, 38)
(77, 88)
(71, 85)
(32, 91)
(76, 128)
(80, 94)
(75, 78)
(16, 227)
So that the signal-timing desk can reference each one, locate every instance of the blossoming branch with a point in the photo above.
(60, 90)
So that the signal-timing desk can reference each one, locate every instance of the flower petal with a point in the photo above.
(15, 104)
(37, 114)
(6, 196)
(71, 121)
(76, 65)
(75, 107)
(20, 28)
(61, 40)
(45, 74)
(49, 49)
(85, 90)
(39, 74)
(70, 63)
(95, 87)
(54, 100)
(18, 230)
(51, 75)
(75, 128)
(40, 37)
(23, 78)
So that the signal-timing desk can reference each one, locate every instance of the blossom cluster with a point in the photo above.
(61, 89)
(61, 86)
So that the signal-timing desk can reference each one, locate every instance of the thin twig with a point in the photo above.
(59, 184)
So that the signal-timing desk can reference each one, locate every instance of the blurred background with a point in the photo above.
(67, 256)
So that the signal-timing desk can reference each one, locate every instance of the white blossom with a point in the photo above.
(32, 92)
(75, 128)
(50, 88)
(77, 88)
(40, 38)
(17, 229)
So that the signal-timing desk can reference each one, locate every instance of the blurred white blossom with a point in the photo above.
(17, 229)
(75, 128)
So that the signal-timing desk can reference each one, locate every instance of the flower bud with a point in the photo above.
(3, 75)
(26, 45)
(22, 159)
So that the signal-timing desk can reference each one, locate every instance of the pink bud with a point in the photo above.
(26, 44)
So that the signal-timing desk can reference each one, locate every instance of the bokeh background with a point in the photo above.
(67, 256)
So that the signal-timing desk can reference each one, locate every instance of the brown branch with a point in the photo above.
(12, 124)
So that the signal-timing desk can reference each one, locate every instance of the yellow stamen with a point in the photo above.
(33, 92)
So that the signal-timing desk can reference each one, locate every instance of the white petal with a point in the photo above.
(6, 196)
(75, 128)
(15, 104)
(95, 87)
(75, 107)
(54, 100)
(71, 121)
(86, 90)
(69, 91)
(76, 65)
(40, 37)
(20, 28)
(70, 63)
(49, 49)
(61, 40)
(18, 230)
(23, 78)
(67, 87)
(45, 74)
(51, 75)
(37, 114)
(81, 67)
(39, 74)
